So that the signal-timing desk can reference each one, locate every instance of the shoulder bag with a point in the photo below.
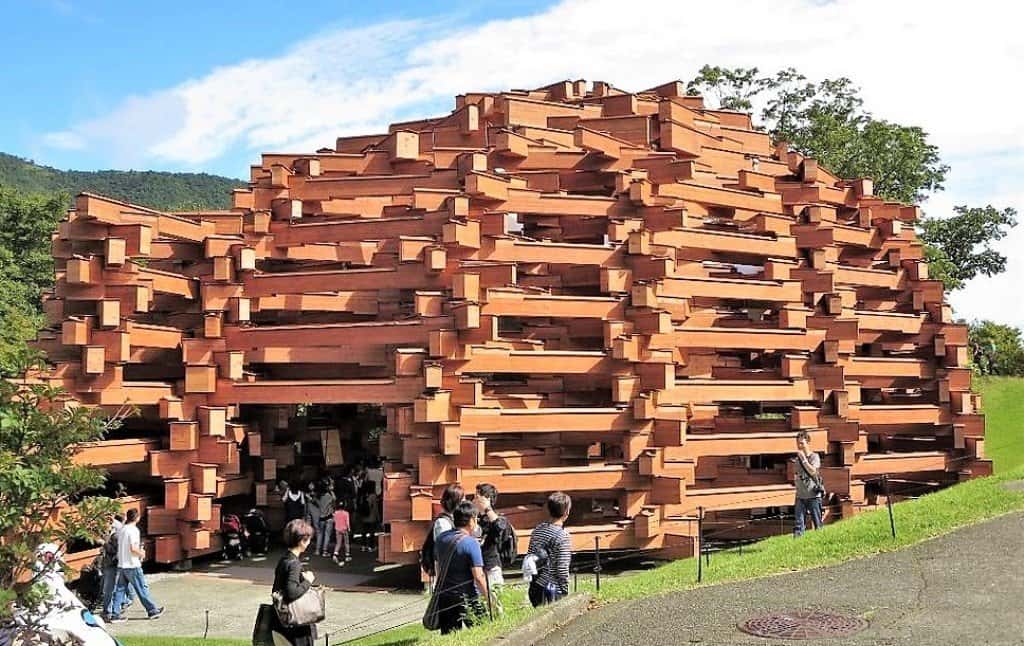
(819, 486)
(310, 608)
(432, 615)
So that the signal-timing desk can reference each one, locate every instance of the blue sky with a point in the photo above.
(208, 85)
(74, 60)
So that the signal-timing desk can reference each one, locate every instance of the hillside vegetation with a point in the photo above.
(156, 189)
(1002, 401)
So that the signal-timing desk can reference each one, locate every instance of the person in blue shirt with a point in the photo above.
(460, 571)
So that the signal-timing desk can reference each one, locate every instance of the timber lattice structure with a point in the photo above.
(629, 297)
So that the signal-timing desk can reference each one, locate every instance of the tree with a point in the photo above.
(26, 268)
(43, 492)
(996, 349)
(26, 222)
(959, 247)
(827, 121)
(158, 190)
(734, 88)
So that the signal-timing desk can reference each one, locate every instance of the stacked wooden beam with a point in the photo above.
(629, 297)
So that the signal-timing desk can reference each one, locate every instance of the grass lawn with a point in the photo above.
(1002, 401)
(135, 640)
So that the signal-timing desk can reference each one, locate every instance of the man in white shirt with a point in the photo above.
(108, 563)
(129, 568)
(375, 474)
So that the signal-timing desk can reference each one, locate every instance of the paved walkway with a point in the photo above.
(359, 601)
(966, 587)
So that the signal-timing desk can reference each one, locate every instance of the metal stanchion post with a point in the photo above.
(700, 544)
(888, 503)
(597, 562)
(490, 607)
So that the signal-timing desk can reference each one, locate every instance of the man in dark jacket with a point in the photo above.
(493, 527)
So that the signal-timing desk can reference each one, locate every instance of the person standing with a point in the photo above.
(451, 497)
(108, 567)
(129, 569)
(357, 517)
(312, 512)
(551, 547)
(345, 488)
(292, 582)
(370, 515)
(312, 506)
(294, 503)
(342, 527)
(494, 531)
(461, 574)
(326, 503)
(809, 490)
(375, 474)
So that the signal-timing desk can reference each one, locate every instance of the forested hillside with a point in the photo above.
(157, 189)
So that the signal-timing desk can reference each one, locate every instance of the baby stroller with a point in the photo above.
(259, 532)
(89, 586)
(234, 538)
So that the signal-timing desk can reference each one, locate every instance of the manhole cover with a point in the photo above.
(802, 624)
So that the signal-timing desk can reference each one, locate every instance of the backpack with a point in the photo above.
(428, 557)
(109, 554)
(508, 548)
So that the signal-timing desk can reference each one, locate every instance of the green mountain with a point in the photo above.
(156, 189)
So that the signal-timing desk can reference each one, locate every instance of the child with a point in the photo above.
(342, 526)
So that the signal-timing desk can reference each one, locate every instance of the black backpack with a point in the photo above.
(508, 548)
(428, 557)
(110, 551)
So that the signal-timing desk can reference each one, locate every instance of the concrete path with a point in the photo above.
(966, 587)
(357, 603)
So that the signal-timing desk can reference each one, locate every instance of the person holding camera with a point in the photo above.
(809, 488)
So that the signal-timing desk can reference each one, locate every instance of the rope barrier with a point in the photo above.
(920, 486)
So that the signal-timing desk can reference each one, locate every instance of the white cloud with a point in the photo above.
(67, 140)
(948, 67)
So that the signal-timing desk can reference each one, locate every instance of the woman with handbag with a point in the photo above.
(291, 584)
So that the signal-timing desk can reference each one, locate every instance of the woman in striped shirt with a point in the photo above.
(551, 544)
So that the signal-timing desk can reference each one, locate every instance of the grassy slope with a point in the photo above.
(1002, 400)
(161, 190)
(863, 535)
